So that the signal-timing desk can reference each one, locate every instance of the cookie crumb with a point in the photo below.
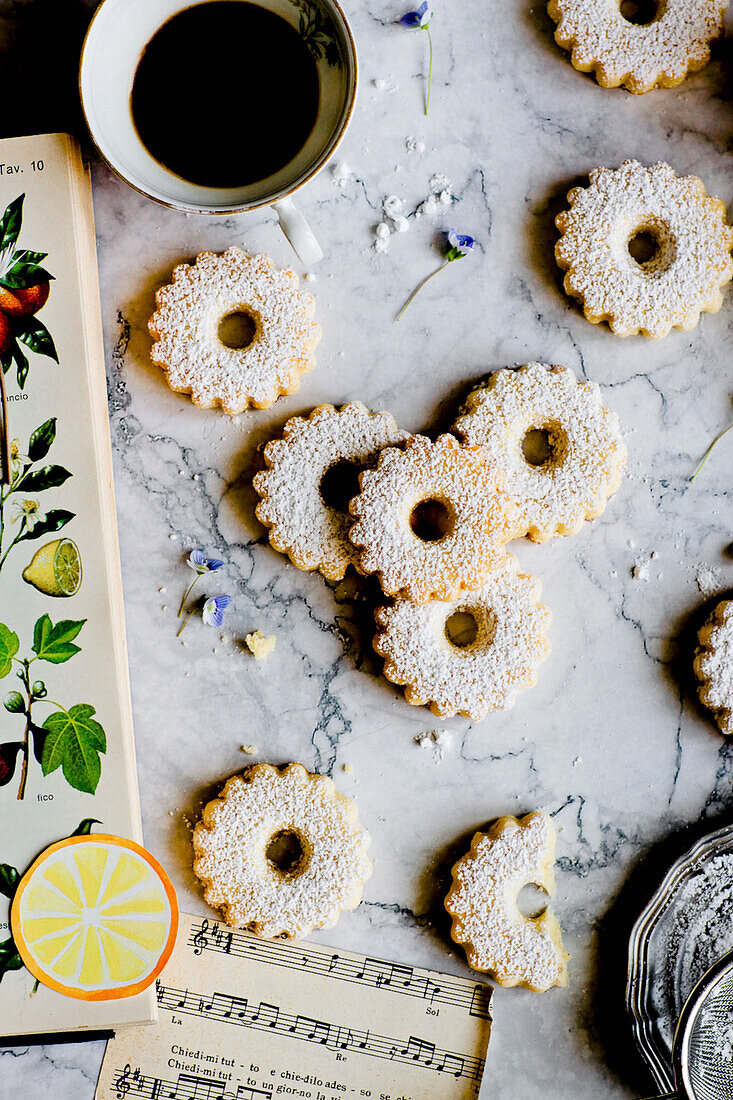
(438, 741)
(707, 578)
(640, 570)
(259, 645)
(347, 769)
(250, 750)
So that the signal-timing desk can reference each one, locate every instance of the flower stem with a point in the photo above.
(418, 288)
(4, 432)
(26, 681)
(185, 622)
(709, 451)
(430, 69)
(186, 594)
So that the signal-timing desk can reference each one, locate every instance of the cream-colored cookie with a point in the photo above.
(281, 852)
(498, 939)
(714, 665)
(500, 638)
(312, 473)
(678, 232)
(583, 455)
(190, 324)
(656, 47)
(431, 519)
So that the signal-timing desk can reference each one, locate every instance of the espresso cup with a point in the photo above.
(117, 36)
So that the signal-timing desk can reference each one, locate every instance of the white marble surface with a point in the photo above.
(611, 741)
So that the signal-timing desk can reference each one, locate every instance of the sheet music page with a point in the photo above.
(242, 1018)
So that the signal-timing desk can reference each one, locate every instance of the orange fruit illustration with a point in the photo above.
(6, 333)
(21, 303)
(95, 917)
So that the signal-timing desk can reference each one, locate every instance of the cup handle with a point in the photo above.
(298, 232)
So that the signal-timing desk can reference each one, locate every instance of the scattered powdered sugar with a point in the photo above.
(231, 841)
(482, 901)
(438, 742)
(414, 145)
(392, 206)
(678, 282)
(638, 56)
(341, 175)
(439, 183)
(385, 84)
(395, 220)
(707, 578)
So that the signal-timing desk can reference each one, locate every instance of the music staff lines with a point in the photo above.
(270, 1018)
(394, 977)
(188, 1086)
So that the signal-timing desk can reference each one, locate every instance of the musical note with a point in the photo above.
(266, 1010)
(452, 1063)
(481, 1002)
(333, 963)
(420, 1051)
(191, 1087)
(399, 975)
(314, 1029)
(123, 1082)
(200, 940)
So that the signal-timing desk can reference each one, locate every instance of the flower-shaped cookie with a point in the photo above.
(431, 519)
(469, 655)
(654, 46)
(714, 665)
(312, 474)
(281, 852)
(580, 458)
(644, 249)
(234, 330)
(514, 949)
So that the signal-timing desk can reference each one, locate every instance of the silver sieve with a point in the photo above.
(703, 1042)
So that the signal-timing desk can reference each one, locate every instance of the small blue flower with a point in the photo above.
(458, 245)
(201, 564)
(419, 18)
(214, 608)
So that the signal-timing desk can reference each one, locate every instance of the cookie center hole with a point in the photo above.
(532, 901)
(431, 520)
(538, 447)
(640, 12)
(237, 330)
(339, 485)
(461, 629)
(644, 246)
(285, 852)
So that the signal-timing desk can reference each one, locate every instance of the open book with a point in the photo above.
(66, 745)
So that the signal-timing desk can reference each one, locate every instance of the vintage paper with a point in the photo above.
(62, 469)
(241, 1018)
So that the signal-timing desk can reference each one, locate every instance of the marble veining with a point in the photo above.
(611, 741)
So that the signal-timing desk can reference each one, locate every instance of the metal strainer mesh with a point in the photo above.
(706, 1042)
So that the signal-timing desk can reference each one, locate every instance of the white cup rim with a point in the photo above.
(238, 207)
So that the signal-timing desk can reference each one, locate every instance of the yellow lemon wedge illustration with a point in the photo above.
(95, 917)
(55, 569)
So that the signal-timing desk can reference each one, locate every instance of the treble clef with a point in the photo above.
(199, 940)
(123, 1083)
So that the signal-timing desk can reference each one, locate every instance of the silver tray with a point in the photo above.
(684, 929)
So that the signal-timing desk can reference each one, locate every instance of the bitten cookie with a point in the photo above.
(312, 473)
(504, 642)
(431, 519)
(714, 665)
(190, 322)
(676, 229)
(584, 454)
(281, 852)
(514, 949)
(656, 51)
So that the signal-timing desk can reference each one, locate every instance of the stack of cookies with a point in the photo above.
(534, 453)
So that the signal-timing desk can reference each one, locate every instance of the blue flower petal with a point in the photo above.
(212, 564)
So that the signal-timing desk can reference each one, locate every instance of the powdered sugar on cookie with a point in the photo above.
(514, 949)
(186, 330)
(714, 665)
(233, 838)
(685, 228)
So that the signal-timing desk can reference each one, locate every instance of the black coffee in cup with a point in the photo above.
(225, 93)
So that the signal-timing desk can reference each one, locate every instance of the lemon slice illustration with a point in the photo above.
(55, 569)
(95, 917)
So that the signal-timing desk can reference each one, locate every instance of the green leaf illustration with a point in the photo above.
(9, 646)
(53, 521)
(39, 740)
(74, 743)
(26, 256)
(23, 275)
(55, 643)
(42, 440)
(9, 879)
(6, 361)
(21, 361)
(11, 222)
(47, 477)
(84, 827)
(9, 957)
(36, 336)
